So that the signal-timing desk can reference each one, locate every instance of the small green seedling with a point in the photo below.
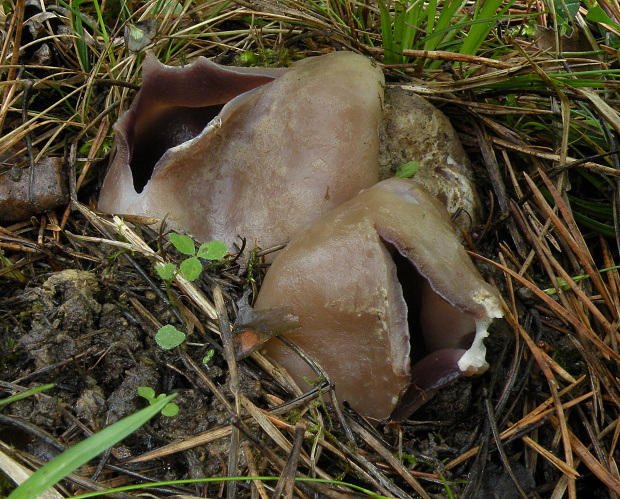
(166, 271)
(564, 286)
(168, 337)
(148, 393)
(407, 170)
(207, 358)
(191, 267)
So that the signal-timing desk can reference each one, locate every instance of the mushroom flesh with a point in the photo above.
(226, 152)
(368, 280)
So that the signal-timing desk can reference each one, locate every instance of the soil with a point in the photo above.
(85, 330)
(78, 330)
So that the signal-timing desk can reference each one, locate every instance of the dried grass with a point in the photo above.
(551, 401)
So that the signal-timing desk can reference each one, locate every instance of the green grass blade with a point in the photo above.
(413, 20)
(399, 29)
(442, 25)
(390, 57)
(80, 44)
(486, 17)
(191, 481)
(430, 13)
(590, 223)
(103, 30)
(25, 394)
(78, 20)
(76, 456)
(594, 209)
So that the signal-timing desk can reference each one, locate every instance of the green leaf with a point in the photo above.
(207, 358)
(598, 15)
(146, 392)
(71, 459)
(191, 268)
(169, 337)
(170, 410)
(566, 9)
(407, 170)
(166, 271)
(214, 250)
(183, 243)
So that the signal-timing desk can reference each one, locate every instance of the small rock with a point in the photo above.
(28, 191)
(65, 309)
(414, 130)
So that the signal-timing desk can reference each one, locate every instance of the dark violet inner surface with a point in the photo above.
(430, 371)
(175, 105)
(428, 375)
(169, 128)
(411, 284)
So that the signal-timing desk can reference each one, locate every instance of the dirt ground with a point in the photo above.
(80, 304)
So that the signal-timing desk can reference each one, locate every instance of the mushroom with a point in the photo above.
(225, 152)
(389, 302)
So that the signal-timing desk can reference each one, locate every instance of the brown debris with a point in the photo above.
(30, 190)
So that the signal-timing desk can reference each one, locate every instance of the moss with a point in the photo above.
(280, 57)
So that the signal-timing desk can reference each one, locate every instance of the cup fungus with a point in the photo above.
(222, 152)
(225, 152)
(365, 276)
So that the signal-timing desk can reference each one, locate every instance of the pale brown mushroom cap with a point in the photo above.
(339, 277)
(274, 158)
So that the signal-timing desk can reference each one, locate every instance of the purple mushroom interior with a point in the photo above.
(408, 274)
(431, 369)
(169, 128)
(175, 105)
(412, 283)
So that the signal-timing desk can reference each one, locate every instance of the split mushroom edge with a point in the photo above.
(386, 261)
(389, 302)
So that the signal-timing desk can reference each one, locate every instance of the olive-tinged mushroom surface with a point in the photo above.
(387, 299)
